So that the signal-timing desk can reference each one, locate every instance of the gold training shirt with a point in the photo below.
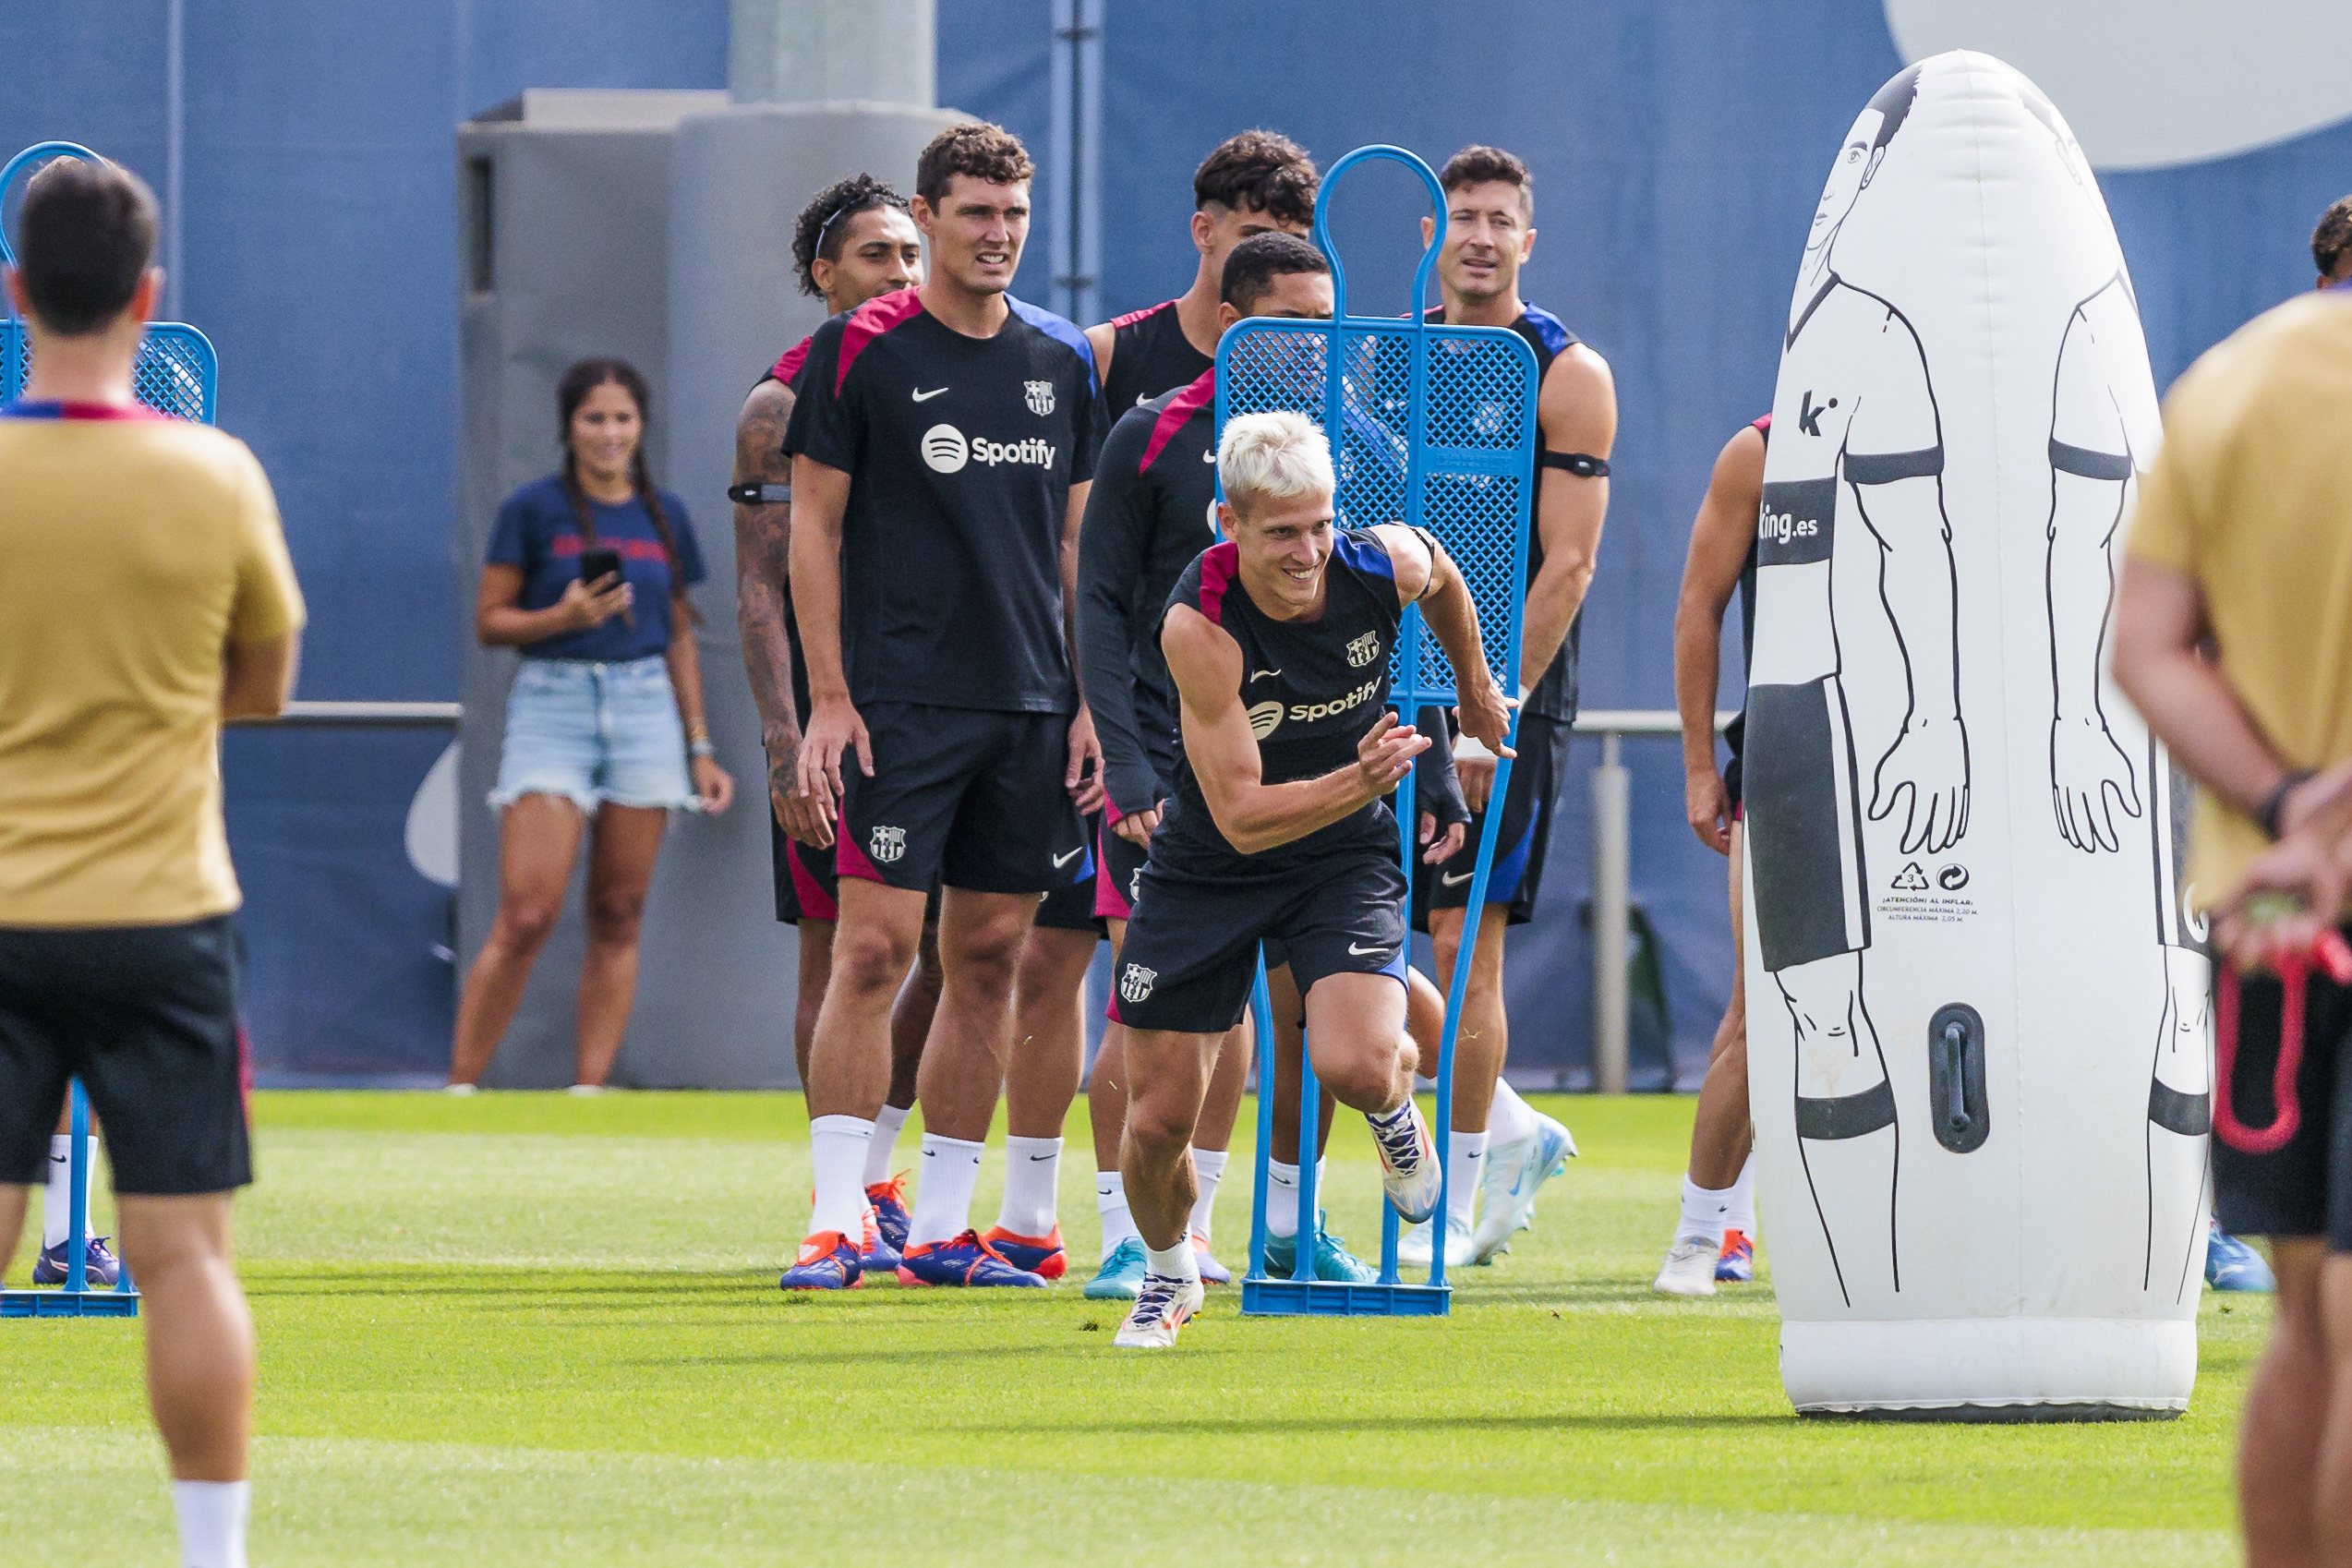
(2251, 496)
(133, 549)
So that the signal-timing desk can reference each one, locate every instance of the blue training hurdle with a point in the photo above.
(1431, 425)
(177, 374)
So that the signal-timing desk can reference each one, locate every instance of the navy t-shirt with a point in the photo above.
(961, 452)
(538, 532)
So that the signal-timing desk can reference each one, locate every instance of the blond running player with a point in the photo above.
(1278, 641)
(147, 596)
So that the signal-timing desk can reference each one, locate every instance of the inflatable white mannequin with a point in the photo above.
(1964, 938)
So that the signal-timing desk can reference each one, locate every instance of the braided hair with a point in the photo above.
(570, 393)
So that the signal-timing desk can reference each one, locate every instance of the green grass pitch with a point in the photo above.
(536, 1328)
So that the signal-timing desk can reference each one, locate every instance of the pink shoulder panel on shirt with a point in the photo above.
(1201, 393)
(1132, 317)
(869, 321)
(1218, 563)
(788, 365)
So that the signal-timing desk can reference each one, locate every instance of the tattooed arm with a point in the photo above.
(763, 555)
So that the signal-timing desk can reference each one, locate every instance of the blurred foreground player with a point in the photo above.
(1254, 183)
(942, 445)
(147, 596)
(1151, 511)
(853, 243)
(1713, 1235)
(1501, 1148)
(1279, 641)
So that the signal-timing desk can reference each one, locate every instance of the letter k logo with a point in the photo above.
(1809, 413)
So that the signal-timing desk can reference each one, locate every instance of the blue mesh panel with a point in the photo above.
(176, 373)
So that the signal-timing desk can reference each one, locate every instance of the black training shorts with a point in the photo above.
(1191, 952)
(2305, 1188)
(1520, 842)
(805, 878)
(1071, 908)
(146, 1016)
(971, 797)
(1118, 872)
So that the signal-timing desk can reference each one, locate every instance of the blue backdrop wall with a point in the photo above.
(1678, 151)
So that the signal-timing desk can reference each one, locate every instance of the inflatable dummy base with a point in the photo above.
(1991, 1368)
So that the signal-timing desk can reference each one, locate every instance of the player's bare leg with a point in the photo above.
(1717, 1187)
(1048, 1059)
(910, 1016)
(1170, 1077)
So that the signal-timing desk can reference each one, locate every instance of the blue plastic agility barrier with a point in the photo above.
(176, 374)
(1429, 425)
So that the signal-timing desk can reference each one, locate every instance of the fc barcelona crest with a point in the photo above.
(1136, 984)
(1363, 650)
(888, 844)
(1041, 398)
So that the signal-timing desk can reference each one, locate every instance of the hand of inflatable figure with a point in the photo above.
(1926, 768)
(2085, 766)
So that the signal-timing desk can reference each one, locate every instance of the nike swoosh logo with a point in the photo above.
(1456, 880)
(1034, 1158)
(1210, 455)
(1061, 860)
(1265, 674)
(927, 396)
(1142, 398)
(1356, 952)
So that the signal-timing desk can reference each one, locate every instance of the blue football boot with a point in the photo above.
(1121, 1275)
(964, 1260)
(829, 1261)
(2230, 1264)
(99, 1267)
(891, 1215)
(1736, 1263)
(1333, 1262)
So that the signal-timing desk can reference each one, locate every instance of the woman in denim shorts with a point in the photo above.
(605, 722)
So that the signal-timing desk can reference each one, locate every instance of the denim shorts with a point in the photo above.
(592, 733)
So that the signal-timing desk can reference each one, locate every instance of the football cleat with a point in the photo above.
(1212, 1271)
(1040, 1254)
(2230, 1264)
(1121, 1274)
(876, 1256)
(963, 1260)
(1333, 1262)
(1410, 1172)
(1736, 1263)
(1412, 1245)
(1515, 1173)
(891, 1215)
(1690, 1268)
(829, 1261)
(1162, 1308)
(99, 1267)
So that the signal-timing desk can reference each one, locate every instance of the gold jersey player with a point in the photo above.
(1278, 641)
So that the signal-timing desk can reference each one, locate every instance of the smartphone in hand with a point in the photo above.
(597, 563)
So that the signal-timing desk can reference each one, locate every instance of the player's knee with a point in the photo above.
(1366, 1075)
(868, 962)
(989, 957)
(1160, 1119)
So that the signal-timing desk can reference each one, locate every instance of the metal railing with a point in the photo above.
(368, 716)
(1612, 875)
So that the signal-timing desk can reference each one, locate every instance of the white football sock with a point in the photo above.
(836, 1149)
(1110, 1202)
(213, 1522)
(1741, 1216)
(1208, 1166)
(1508, 1118)
(1176, 1264)
(949, 1167)
(1466, 1162)
(57, 1192)
(1281, 1196)
(1033, 1182)
(885, 1147)
(1702, 1212)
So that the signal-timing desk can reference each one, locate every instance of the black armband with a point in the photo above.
(2267, 814)
(1580, 464)
(759, 495)
(1437, 552)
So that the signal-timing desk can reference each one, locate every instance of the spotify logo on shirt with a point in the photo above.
(946, 451)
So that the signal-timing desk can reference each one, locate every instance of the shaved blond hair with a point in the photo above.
(1277, 456)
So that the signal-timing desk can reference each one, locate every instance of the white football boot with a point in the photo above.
(1410, 1171)
(1163, 1306)
(1690, 1268)
(1515, 1173)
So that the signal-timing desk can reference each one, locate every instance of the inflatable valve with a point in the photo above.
(2329, 955)
(1955, 1078)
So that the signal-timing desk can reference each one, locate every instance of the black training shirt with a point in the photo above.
(1150, 354)
(961, 453)
(1151, 511)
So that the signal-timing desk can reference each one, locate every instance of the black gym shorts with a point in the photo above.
(1118, 872)
(971, 797)
(2305, 1188)
(146, 1016)
(1519, 844)
(1071, 908)
(1192, 950)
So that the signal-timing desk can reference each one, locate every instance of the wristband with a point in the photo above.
(2267, 814)
(700, 748)
(759, 495)
(1469, 748)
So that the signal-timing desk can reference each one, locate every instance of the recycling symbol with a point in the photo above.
(1912, 880)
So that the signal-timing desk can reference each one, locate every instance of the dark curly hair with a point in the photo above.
(1484, 165)
(823, 227)
(578, 381)
(2332, 239)
(987, 152)
(1260, 170)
